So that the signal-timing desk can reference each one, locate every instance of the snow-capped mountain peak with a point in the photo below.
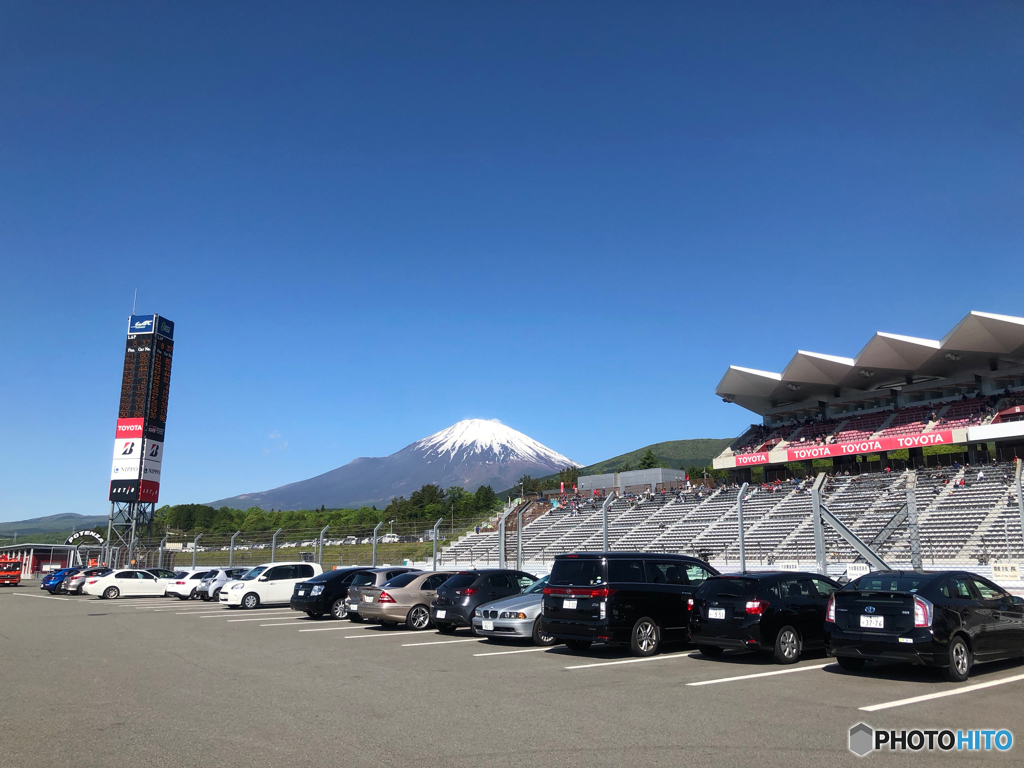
(483, 436)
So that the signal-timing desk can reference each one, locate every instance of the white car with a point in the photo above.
(185, 587)
(126, 583)
(267, 584)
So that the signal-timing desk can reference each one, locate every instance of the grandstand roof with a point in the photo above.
(980, 342)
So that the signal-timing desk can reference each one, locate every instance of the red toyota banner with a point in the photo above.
(867, 446)
(747, 459)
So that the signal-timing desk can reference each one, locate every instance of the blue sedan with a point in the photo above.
(52, 581)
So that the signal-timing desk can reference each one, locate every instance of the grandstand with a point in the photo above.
(870, 424)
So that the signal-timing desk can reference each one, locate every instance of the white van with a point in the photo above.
(267, 584)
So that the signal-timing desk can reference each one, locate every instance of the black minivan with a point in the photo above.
(639, 599)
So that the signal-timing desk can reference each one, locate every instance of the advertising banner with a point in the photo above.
(149, 491)
(124, 490)
(749, 459)
(142, 324)
(129, 428)
(125, 469)
(869, 446)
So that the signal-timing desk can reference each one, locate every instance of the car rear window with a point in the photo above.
(401, 580)
(363, 579)
(460, 580)
(725, 588)
(577, 573)
(888, 583)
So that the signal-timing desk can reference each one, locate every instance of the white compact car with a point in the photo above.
(185, 587)
(268, 584)
(127, 583)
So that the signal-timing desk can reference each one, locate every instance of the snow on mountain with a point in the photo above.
(471, 453)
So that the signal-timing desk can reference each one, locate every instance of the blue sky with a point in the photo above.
(372, 220)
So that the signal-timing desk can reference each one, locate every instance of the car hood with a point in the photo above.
(515, 603)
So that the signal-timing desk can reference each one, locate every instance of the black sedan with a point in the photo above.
(458, 597)
(950, 619)
(779, 612)
(324, 594)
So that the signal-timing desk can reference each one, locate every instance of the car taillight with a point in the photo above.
(923, 612)
(689, 603)
(757, 607)
(93, 581)
(179, 582)
(830, 612)
(467, 591)
(580, 591)
(385, 598)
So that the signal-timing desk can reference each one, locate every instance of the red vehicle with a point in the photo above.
(10, 572)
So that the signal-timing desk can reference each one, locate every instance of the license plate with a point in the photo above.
(488, 626)
(716, 613)
(441, 614)
(872, 622)
(568, 604)
(367, 598)
(302, 593)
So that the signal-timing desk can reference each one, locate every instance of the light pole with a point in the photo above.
(195, 548)
(391, 526)
(377, 528)
(436, 526)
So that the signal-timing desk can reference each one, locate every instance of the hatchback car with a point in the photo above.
(783, 613)
(370, 577)
(126, 583)
(515, 617)
(639, 599)
(949, 619)
(405, 599)
(464, 592)
(326, 594)
(54, 582)
(74, 583)
(268, 584)
(186, 587)
(211, 584)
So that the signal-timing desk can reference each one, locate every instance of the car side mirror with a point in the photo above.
(262, 578)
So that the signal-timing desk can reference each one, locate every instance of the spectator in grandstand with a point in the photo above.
(981, 475)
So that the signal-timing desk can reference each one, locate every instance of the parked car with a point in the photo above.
(164, 576)
(267, 584)
(516, 617)
(185, 587)
(74, 583)
(639, 599)
(326, 594)
(211, 584)
(348, 540)
(370, 577)
(779, 612)
(389, 538)
(125, 583)
(403, 599)
(464, 592)
(53, 582)
(950, 619)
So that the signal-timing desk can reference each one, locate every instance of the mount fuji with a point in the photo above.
(471, 453)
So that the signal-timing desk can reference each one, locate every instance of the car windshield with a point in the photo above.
(577, 572)
(727, 587)
(253, 574)
(362, 579)
(537, 586)
(460, 580)
(877, 582)
(402, 580)
(320, 578)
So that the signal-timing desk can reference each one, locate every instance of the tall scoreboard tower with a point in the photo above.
(141, 421)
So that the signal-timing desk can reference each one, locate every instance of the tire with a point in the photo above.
(578, 645)
(182, 597)
(192, 595)
(711, 651)
(314, 614)
(338, 609)
(645, 639)
(539, 638)
(850, 664)
(111, 593)
(445, 628)
(787, 646)
(250, 600)
(215, 597)
(353, 616)
(418, 618)
(960, 660)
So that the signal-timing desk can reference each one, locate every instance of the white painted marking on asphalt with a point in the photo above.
(259, 618)
(506, 653)
(212, 612)
(289, 624)
(930, 696)
(41, 597)
(443, 642)
(760, 674)
(381, 634)
(684, 655)
(330, 629)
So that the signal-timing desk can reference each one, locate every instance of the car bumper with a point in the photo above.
(175, 593)
(707, 633)
(452, 615)
(231, 596)
(518, 628)
(911, 648)
(384, 611)
(309, 604)
(594, 631)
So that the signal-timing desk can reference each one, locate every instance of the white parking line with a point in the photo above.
(443, 642)
(683, 655)
(41, 597)
(942, 694)
(506, 653)
(760, 674)
(330, 629)
(381, 634)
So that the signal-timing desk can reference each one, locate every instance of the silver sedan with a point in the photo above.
(514, 617)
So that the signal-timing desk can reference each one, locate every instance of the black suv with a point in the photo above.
(781, 612)
(639, 599)
(458, 597)
(325, 593)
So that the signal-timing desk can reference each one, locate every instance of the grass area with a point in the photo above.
(356, 554)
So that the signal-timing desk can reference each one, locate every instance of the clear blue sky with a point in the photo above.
(372, 220)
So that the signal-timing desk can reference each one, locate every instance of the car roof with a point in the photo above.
(766, 574)
(629, 555)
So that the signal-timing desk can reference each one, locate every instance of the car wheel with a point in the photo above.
(215, 595)
(111, 593)
(192, 595)
(960, 661)
(418, 618)
(250, 601)
(314, 614)
(787, 646)
(539, 638)
(645, 638)
(850, 664)
(710, 651)
(445, 628)
(353, 616)
(578, 645)
(338, 609)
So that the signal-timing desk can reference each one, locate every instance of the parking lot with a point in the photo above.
(163, 682)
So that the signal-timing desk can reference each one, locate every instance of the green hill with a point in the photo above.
(65, 522)
(672, 453)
